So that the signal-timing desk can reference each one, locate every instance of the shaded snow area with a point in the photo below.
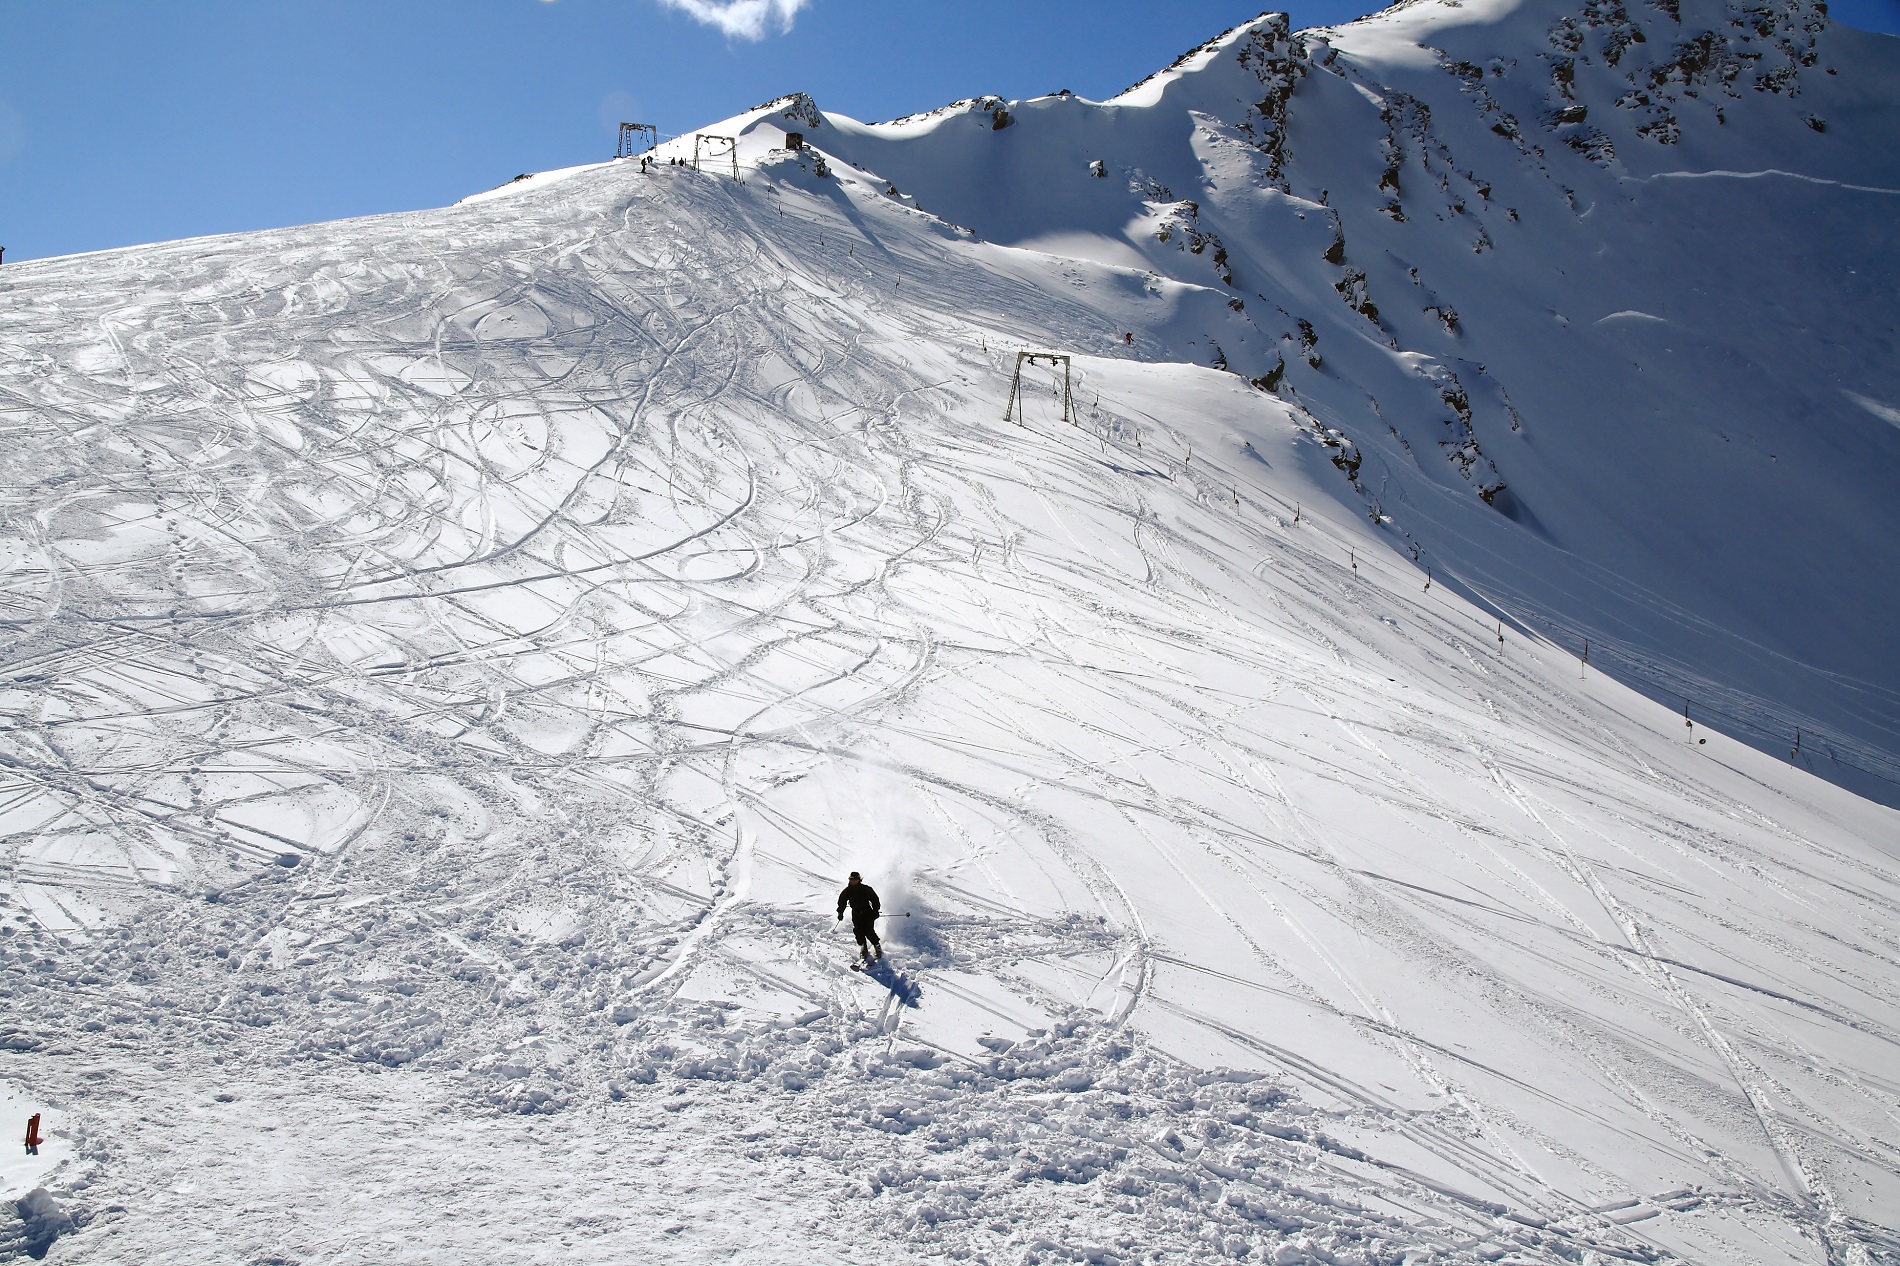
(452, 660)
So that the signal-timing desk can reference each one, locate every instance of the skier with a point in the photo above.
(862, 899)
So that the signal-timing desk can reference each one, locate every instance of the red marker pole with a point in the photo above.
(33, 1139)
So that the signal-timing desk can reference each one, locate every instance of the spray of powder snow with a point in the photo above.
(880, 831)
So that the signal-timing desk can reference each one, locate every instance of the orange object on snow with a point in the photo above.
(33, 1139)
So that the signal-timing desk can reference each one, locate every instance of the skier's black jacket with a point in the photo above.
(863, 901)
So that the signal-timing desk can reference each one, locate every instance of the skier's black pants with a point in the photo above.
(867, 931)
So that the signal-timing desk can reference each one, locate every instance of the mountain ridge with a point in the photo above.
(1706, 62)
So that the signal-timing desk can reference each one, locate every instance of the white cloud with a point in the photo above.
(746, 19)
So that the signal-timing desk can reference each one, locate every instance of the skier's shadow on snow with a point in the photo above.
(902, 986)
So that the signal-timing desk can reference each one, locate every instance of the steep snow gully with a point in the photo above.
(452, 659)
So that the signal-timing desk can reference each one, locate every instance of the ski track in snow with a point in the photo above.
(445, 688)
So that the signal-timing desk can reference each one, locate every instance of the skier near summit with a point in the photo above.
(862, 899)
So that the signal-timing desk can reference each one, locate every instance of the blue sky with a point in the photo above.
(125, 121)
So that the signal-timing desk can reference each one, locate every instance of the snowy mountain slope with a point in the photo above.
(1630, 271)
(452, 659)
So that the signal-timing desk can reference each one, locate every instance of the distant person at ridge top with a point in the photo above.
(862, 899)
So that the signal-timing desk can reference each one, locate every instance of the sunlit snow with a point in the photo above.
(452, 660)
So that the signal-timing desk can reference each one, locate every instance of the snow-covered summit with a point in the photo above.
(1627, 275)
(452, 659)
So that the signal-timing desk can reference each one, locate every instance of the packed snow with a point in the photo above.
(454, 658)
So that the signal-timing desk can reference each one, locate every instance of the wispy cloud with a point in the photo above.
(746, 19)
